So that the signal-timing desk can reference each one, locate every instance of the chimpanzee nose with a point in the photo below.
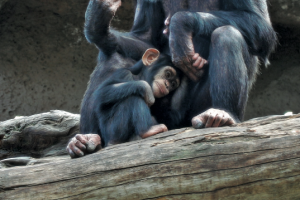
(166, 84)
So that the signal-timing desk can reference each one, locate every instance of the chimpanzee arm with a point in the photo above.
(98, 17)
(121, 85)
(249, 17)
(116, 92)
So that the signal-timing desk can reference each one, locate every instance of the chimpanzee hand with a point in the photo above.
(182, 47)
(212, 118)
(82, 144)
(149, 97)
(160, 128)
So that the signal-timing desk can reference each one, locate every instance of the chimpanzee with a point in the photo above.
(217, 44)
(122, 101)
(220, 41)
(116, 50)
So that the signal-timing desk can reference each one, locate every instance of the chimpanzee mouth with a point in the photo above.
(161, 88)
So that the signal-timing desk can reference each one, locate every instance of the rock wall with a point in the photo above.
(45, 61)
(277, 89)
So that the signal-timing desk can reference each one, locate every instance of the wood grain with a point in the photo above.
(257, 159)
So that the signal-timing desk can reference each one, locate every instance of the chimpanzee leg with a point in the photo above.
(127, 119)
(232, 71)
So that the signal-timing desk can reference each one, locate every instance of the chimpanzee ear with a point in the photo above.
(150, 56)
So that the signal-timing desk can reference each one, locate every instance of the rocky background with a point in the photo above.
(45, 61)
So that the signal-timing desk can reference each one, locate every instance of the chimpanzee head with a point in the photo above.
(160, 73)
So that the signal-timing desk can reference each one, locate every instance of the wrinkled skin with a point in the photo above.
(82, 144)
(212, 118)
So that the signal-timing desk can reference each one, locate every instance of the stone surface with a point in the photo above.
(286, 12)
(45, 61)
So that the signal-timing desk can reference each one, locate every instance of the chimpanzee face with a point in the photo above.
(165, 78)
(165, 81)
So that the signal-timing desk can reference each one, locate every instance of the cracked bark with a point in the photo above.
(257, 159)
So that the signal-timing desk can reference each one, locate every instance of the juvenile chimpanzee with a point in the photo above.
(122, 101)
(116, 50)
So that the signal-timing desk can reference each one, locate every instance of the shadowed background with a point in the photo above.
(45, 60)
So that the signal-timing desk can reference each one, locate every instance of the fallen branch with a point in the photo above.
(257, 159)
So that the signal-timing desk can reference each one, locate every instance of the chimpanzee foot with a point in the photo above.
(82, 144)
(212, 118)
(160, 128)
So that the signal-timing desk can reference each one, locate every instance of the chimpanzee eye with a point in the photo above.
(168, 74)
(174, 84)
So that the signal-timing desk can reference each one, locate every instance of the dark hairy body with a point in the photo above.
(216, 43)
(122, 101)
(116, 51)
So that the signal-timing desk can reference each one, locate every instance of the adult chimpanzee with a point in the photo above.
(121, 102)
(220, 41)
(117, 50)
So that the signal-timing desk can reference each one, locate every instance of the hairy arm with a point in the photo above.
(249, 17)
(122, 85)
(98, 17)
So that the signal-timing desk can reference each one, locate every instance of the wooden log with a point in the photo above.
(257, 159)
(38, 135)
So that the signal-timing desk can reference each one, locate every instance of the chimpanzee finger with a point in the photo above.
(197, 62)
(203, 62)
(94, 142)
(193, 77)
(70, 152)
(195, 56)
(81, 146)
(77, 151)
(223, 121)
(217, 121)
(192, 73)
(73, 150)
(199, 121)
(210, 120)
(82, 138)
(186, 66)
(230, 121)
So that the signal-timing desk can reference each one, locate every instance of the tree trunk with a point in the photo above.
(257, 159)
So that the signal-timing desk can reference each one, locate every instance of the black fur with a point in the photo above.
(116, 50)
(119, 103)
(232, 35)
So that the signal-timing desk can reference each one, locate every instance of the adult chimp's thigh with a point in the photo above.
(232, 70)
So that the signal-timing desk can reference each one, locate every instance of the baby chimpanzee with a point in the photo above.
(123, 100)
